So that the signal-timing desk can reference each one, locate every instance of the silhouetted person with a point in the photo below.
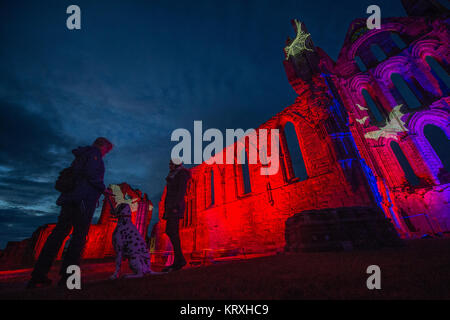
(77, 208)
(174, 207)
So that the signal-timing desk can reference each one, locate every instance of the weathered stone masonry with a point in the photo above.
(346, 146)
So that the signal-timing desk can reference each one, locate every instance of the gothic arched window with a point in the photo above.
(190, 203)
(405, 91)
(373, 107)
(377, 52)
(211, 181)
(398, 41)
(439, 73)
(294, 155)
(246, 175)
(404, 163)
(360, 63)
(440, 143)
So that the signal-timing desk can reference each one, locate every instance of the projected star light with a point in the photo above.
(299, 44)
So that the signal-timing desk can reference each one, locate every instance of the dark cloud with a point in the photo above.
(31, 152)
(18, 224)
(28, 141)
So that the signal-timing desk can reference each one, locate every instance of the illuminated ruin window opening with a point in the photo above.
(373, 107)
(187, 220)
(211, 181)
(439, 73)
(360, 63)
(377, 52)
(186, 215)
(246, 171)
(191, 212)
(404, 164)
(405, 91)
(282, 155)
(440, 144)
(294, 156)
(398, 40)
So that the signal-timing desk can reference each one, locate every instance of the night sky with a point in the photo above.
(136, 71)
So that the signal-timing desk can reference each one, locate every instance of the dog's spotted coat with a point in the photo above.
(128, 243)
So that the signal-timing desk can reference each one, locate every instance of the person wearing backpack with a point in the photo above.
(81, 186)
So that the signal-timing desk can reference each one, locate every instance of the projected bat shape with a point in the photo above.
(394, 125)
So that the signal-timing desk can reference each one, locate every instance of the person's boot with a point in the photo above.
(39, 282)
(167, 269)
(177, 265)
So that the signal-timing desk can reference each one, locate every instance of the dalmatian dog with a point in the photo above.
(128, 243)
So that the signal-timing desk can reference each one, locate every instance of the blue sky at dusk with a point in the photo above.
(136, 71)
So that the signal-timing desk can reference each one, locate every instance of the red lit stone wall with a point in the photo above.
(345, 168)
(99, 239)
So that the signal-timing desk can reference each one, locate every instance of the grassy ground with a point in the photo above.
(419, 270)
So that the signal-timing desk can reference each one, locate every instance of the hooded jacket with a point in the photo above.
(89, 170)
(174, 204)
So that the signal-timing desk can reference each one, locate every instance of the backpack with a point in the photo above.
(66, 181)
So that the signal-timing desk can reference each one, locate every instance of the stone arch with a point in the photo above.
(416, 124)
(437, 116)
(400, 65)
(415, 72)
(429, 46)
(395, 64)
(360, 81)
(376, 110)
(388, 27)
(439, 142)
(435, 49)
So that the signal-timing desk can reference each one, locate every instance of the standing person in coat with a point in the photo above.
(77, 208)
(174, 207)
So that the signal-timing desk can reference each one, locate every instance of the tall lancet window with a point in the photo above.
(377, 52)
(398, 41)
(294, 154)
(408, 95)
(246, 171)
(440, 143)
(211, 181)
(360, 64)
(439, 73)
(373, 107)
(404, 163)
